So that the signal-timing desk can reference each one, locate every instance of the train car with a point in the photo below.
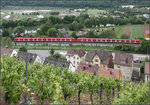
(82, 40)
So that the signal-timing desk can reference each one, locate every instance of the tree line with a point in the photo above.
(76, 3)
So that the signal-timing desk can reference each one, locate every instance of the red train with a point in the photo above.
(86, 40)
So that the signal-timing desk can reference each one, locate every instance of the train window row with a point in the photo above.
(79, 39)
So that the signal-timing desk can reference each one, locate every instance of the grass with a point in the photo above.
(67, 47)
(137, 31)
(119, 31)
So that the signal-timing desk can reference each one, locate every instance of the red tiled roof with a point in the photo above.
(107, 72)
(147, 67)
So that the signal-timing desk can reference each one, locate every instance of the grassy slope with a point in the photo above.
(119, 31)
(137, 31)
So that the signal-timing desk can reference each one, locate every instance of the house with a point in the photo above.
(124, 62)
(101, 70)
(75, 57)
(56, 62)
(147, 71)
(32, 58)
(99, 58)
(5, 51)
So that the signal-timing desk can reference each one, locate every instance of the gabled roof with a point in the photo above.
(123, 59)
(107, 72)
(57, 62)
(147, 68)
(23, 56)
(80, 52)
(102, 54)
(6, 51)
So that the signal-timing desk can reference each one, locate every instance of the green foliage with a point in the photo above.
(5, 33)
(44, 28)
(6, 42)
(74, 35)
(47, 83)
(52, 51)
(142, 67)
(124, 47)
(52, 32)
(19, 29)
(12, 78)
(134, 94)
(144, 48)
(23, 48)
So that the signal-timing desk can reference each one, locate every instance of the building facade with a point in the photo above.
(124, 62)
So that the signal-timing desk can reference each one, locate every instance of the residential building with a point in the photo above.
(147, 71)
(99, 58)
(57, 62)
(101, 70)
(124, 62)
(32, 58)
(75, 57)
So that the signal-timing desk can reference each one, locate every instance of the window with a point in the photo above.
(77, 57)
(96, 60)
(74, 62)
(74, 57)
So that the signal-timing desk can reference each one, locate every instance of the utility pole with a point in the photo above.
(26, 73)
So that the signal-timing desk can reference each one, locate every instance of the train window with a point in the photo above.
(108, 40)
(122, 40)
(31, 39)
(39, 39)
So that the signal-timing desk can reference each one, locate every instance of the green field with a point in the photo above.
(119, 31)
(137, 31)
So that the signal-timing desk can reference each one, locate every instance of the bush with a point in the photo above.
(24, 49)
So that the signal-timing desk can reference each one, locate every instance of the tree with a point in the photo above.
(144, 48)
(23, 48)
(6, 42)
(52, 32)
(57, 55)
(52, 51)
(19, 29)
(74, 35)
(44, 28)
(5, 33)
